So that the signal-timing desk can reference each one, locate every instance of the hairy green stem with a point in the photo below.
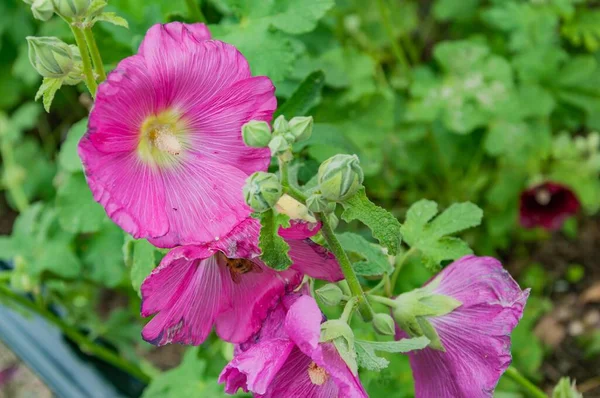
(396, 273)
(85, 344)
(90, 82)
(382, 300)
(349, 309)
(527, 386)
(355, 288)
(396, 48)
(195, 11)
(95, 53)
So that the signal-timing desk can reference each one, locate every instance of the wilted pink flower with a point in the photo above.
(163, 153)
(547, 205)
(286, 358)
(476, 335)
(226, 285)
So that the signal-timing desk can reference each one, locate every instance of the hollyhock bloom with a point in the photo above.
(547, 205)
(225, 284)
(286, 358)
(163, 152)
(475, 336)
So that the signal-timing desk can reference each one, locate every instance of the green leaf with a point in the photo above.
(374, 260)
(273, 247)
(77, 210)
(105, 263)
(306, 96)
(342, 336)
(384, 226)
(140, 258)
(48, 89)
(367, 358)
(584, 29)
(68, 158)
(430, 237)
(112, 18)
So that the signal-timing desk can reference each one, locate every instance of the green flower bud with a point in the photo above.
(412, 310)
(340, 177)
(261, 191)
(330, 294)
(318, 204)
(256, 134)
(71, 8)
(281, 125)
(384, 324)
(279, 146)
(51, 57)
(333, 220)
(301, 127)
(42, 9)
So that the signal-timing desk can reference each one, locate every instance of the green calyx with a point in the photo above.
(318, 204)
(256, 134)
(330, 294)
(41, 9)
(54, 58)
(413, 310)
(262, 190)
(384, 324)
(71, 8)
(340, 177)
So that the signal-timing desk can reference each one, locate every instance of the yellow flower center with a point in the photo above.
(318, 376)
(163, 139)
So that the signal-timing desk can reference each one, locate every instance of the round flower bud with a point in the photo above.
(340, 177)
(280, 125)
(301, 127)
(262, 191)
(42, 9)
(384, 324)
(318, 204)
(279, 145)
(50, 56)
(330, 294)
(71, 8)
(333, 220)
(256, 134)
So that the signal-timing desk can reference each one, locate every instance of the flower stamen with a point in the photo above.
(164, 140)
(318, 376)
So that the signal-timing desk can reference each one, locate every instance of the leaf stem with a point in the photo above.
(355, 288)
(396, 48)
(399, 266)
(95, 53)
(195, 12)
(85, 344)
(90, 82)
(527, 386)
(348, 309)
(382, 300)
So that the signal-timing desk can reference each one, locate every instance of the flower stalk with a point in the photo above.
(527, 386)
(84, 343)
(95, 53)
(88, 73)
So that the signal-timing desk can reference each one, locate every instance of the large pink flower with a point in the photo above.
(225, 284)
(476, 335)
(286, 358)
(163, 153)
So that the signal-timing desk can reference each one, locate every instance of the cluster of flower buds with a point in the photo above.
(262, 191)
(257, 134)
(53, 58)
(44, 9)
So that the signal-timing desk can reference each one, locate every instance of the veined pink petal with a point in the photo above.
(254, 369)
(252, 299)
(314, 260)
(241, 242)
(303, 324)
(170, 35)
(190, 305)
(300, 229)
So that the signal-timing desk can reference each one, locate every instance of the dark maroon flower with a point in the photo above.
(547, 205)
(8, 373)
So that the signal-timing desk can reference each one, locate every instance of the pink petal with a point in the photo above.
(241, 242)
(314, 260)
(300, 229)
(172, 34)
(188, 294)
(252, 299)
(348, 384)
(219, 122)
(476, 335)
(303, 324)
(254, 369)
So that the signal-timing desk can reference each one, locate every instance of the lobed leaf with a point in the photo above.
(375, 261)
(273, 247)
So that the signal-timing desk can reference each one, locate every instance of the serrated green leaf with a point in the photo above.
(430, 237)
(77, 210)
(112, 18)
(140, 257)
(68, 158)
(273, 247)
(306, 96)
(375, 260)
(384, 226)
(48, 90)
(400, 346)
(367, 359)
